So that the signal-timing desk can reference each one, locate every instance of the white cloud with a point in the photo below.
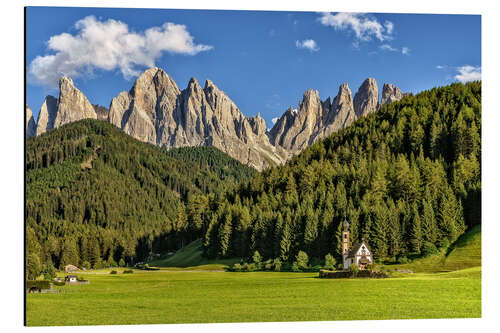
(389, 27)
(468, 73)
(109, 45)
(274, 120)
(308, 44)
(387, 47)
(364, 27)
(439, 67)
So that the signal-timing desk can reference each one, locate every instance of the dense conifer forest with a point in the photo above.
(95, 195)
(407, 178)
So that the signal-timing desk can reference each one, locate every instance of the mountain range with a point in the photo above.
(156, 111)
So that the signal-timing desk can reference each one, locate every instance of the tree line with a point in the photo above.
(407, 178)
(95, 196)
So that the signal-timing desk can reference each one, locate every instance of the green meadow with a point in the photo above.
(160, 297)
(446, 285)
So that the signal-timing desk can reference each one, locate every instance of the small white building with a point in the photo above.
(359, 254)
(71, 278)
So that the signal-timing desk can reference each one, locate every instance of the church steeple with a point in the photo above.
(346, 240)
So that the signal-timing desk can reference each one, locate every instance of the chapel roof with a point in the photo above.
(356, 248)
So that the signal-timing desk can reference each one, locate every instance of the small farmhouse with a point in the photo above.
(359, 254)
(71, 278)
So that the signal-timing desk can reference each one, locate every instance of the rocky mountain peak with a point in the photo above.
(30, 123)
(72, 104)
(310, 100)
(66, 85)
(343, 96)
(156, 111)
(194, 87)
(210, 85)
(258, 124)
(391, 93)
(47, 115)
(101, 111)
(366, 99)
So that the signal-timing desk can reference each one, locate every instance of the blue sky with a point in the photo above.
(263, 60)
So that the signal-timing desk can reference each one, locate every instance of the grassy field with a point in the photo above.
(464, 253)
(206, 297)
(447, 285)
(191, 256)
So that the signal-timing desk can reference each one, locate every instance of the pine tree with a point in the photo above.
(429, 227)
(416, 230)
(286, 238)
(69, 253)
(393, 229)
(378, 230)
(225, 234)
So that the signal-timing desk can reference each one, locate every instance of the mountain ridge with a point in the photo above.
(155, 110)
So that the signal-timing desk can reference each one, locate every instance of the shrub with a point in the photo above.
(113, 272)
(236, 268)
(37, 284)
(251, 267)
(302, 260)
(277, 265)
(315, 268)
(128, 271)
(330, 262)
(295, 267)
(348, 274)
(121, 263)
(111, 262)
(86, 264)
(444, 243)
(33, 266)
(429, 249)
(97, 264)
(402, 260)
(354, 269)
(49, 271)
(151, 268)
(257, 258)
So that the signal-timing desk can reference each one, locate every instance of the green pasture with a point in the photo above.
(155, 297)
(196, 290)
(465, 252)
(191, 256)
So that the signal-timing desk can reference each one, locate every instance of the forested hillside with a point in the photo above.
(95, 195)
(407, 178)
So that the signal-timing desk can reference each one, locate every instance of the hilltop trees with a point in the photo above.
(135, 199)
(407, 178)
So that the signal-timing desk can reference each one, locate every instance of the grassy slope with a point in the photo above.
(464, 253)
(187, 297)
(190, 256)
